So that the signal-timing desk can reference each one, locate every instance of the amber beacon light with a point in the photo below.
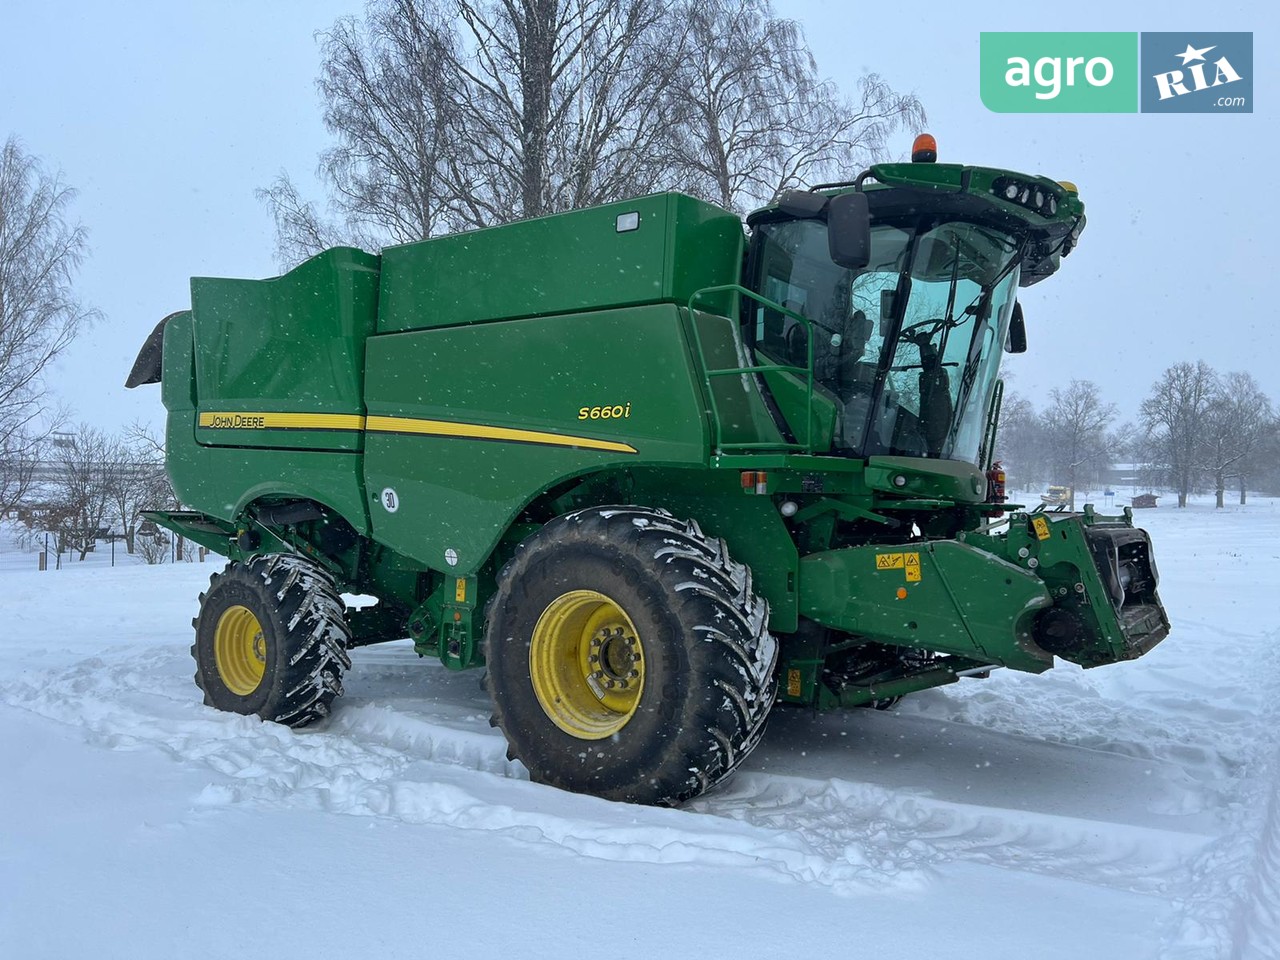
(924, 149)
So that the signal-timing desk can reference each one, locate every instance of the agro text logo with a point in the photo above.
(1197, 73)
(1059, 72)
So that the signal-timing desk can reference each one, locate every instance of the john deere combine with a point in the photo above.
(653, 473)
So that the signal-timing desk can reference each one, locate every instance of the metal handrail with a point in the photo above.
(806, 372)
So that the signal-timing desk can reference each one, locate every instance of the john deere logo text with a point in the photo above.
(236, 421)
(1197, 73)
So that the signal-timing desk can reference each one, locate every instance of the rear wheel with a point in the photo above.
(271, 640)
(629, 656)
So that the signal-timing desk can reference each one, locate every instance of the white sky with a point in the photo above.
(167, 116)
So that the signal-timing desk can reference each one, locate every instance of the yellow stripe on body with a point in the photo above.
(478, 431)
(240, 420)
(255, 420)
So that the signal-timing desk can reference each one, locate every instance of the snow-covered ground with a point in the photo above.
(1131, 811)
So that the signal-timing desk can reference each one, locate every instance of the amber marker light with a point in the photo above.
(925, 149)
(902, 593)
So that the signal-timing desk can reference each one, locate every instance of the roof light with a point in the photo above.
(925, 149)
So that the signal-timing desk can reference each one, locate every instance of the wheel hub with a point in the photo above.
(240, 650)
(586, 663)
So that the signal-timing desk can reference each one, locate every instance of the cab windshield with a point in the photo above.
(908, 347)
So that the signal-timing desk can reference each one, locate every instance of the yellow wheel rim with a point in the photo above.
(587, 664)
(239, 650)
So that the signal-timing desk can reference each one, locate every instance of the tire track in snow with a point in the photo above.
(376, 760)
(1231, 910)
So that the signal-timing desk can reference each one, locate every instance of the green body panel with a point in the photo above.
(931, 479)
(751, 526)
(291, 344)
(221, 482)
(790, 395)
(966, 601)
(460, 493)
(561, 264)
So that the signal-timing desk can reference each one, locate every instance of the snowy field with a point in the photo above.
(1128, 812)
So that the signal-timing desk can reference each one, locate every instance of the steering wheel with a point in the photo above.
(934, 324)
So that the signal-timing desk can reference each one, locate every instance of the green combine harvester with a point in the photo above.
(655, 474)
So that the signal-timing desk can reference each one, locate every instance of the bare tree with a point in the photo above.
(389, 92)
(301, 230)
(1235, 421)
(468, 114)
(137, 481)
(565, 103)
(754, 116)
(1264, 464)
(80, 491)
(455, 114)
(1020, 444)
(40, 252)
(1175, 417)
(1075, 425)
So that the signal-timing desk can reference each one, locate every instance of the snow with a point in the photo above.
(1130, 811)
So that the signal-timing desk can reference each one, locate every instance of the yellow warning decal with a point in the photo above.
(794, 688)
(1041, 526)
(912, 567)
(460, 591)
(909, 563)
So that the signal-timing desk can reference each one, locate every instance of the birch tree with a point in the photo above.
(41, 250)
(456, 114)
(756, 118)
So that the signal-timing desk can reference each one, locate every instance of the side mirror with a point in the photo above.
(849, 230)
(1017, 339)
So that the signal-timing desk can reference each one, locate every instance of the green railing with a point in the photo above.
(708, 373)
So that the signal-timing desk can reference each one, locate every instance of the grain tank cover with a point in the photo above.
(656, 249)
(292, 344)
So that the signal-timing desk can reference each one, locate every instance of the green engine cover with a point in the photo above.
(656, 249)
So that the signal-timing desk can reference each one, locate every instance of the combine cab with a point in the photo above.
(656, 482)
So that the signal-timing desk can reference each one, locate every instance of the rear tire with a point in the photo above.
(271, 640)
(629, 657)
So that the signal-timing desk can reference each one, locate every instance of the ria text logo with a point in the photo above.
(1075, 72)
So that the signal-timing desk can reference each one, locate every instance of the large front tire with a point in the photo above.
(629, 656)
(271, 640)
